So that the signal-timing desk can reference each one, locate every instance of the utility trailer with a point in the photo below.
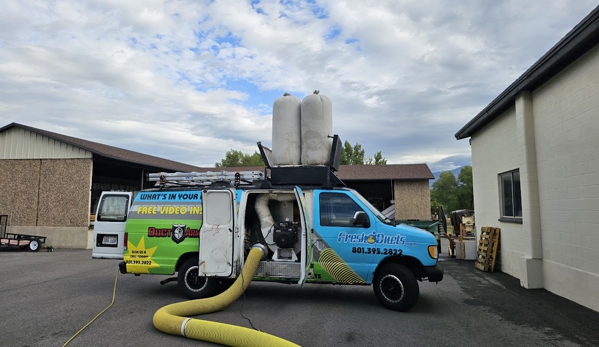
(20, 241)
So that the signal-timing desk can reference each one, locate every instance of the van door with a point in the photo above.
(350, 249)
(216, 233)
(306, 246)
(109, 226)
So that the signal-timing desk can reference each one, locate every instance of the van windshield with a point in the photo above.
(113, 208)
(373, 209)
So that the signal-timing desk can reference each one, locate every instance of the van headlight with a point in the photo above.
(432, 252)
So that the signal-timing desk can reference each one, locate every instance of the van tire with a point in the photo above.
(225, 284)
(192, 286)
(395, 287)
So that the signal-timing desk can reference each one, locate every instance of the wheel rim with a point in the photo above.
(392, 288)
(193, 281)
(33, 245)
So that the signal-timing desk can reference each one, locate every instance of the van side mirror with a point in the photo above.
(360, 219)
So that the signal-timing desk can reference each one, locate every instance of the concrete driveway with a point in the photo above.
(46, 297)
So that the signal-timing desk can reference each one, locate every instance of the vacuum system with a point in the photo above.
(174, 318)
(281, 237)
(285, 234)
(302, 131)
(304, 152)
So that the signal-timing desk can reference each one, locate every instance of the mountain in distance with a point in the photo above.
(455, 160)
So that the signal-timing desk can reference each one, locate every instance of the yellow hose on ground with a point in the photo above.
(172, 319)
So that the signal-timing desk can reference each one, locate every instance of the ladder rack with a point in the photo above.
(205, 178)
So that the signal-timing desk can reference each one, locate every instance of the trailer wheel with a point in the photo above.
(194, 286)
(35, 245)
(396, 287)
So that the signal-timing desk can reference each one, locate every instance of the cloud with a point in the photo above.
(450, 163)
(190, 80)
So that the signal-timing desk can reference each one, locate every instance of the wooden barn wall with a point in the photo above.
(46, 192)
(412, 200)
(19, 194)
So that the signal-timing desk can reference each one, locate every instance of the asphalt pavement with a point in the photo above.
(46, 297)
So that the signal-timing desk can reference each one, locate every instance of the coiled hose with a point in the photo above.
(173, 319)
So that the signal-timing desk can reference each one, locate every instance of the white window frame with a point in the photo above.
(514, 196)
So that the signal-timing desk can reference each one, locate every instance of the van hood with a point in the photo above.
(421, 234)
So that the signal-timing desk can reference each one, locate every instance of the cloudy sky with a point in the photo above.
(190, 80)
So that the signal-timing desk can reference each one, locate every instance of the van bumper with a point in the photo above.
(107, 256)
(123, 267)
(434, 273)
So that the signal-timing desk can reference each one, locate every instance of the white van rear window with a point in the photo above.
(113, 208)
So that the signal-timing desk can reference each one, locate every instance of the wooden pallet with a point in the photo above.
(487, 248)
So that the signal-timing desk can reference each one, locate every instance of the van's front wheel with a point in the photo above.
(396, 287)
(194, 286)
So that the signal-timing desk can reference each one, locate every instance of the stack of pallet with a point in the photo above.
(487, 248)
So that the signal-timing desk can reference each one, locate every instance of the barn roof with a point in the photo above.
(346, 172)
(109, 151)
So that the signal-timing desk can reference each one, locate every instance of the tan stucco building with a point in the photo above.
(54, 181)
(535, 160)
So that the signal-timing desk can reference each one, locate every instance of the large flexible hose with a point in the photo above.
(172, 319)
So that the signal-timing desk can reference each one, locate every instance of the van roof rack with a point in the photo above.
(236, 178)
(307, 175)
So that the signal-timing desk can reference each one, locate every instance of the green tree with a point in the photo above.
(355, 155)
(352, 155)
(235, 158)
(451, 193)
(376, 160)
(465, 188)
(444, 191)
(434, 205)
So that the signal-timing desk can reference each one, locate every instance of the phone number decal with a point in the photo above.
(139, 262)
(375, 250)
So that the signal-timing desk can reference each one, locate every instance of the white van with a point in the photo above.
(109, 226)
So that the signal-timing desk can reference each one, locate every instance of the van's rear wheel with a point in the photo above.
(396, 287)
(194, 286)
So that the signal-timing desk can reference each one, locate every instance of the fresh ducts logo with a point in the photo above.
(371, 238)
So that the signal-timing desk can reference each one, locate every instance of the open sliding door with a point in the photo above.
(306, 247)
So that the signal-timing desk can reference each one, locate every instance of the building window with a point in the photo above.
(511, 197)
